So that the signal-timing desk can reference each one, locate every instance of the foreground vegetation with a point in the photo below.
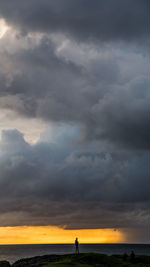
(82, 260)
(4, 264)
(93, 259)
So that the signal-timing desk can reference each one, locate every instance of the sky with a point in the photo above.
(74, 121)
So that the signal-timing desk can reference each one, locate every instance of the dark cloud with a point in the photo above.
(45, 86)
(106, 97)
(54, 183)
(122, 116)
(94, 170)
(123, 20)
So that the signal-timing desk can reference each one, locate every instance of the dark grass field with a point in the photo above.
(101, 260)
(92, 259)
(82, 260)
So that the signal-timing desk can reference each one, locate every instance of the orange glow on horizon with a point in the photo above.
(56, 235)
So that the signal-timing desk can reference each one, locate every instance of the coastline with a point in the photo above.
(81, 260)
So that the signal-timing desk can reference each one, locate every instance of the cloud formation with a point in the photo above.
(101, 92)
(54, 183)
(82, 68)
(120, 20)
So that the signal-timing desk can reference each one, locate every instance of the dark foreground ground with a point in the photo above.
(81, 260)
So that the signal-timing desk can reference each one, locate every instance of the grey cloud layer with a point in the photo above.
(53, 68)
(108, 95)
(105, 20)
(53, 183)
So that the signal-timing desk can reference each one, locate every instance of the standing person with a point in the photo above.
(77, 246)
(132, 256)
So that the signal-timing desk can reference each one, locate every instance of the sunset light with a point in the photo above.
(3, 28)
(54, 235)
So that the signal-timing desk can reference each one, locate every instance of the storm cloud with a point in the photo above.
(71, 187)
(81, 69)
(108, 98)
(117, 20)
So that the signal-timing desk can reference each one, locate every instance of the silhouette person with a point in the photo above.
(132, 256)
(125, 256)
(77, 246)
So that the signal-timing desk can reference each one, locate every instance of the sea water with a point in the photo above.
(13, 253)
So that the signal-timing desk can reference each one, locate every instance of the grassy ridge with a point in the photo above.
(4, 264)
(93, 259)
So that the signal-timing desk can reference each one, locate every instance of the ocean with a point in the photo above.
(13, 253)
